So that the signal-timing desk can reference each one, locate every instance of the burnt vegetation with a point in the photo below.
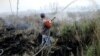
(74, 39)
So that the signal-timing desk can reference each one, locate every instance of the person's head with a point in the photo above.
(42, 15)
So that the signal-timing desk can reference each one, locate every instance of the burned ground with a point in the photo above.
(20, 40)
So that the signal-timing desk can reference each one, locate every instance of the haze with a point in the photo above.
(42, 5)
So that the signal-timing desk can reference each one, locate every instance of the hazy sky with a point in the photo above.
(43, 4)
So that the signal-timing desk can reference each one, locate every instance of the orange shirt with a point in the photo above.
(47, 23)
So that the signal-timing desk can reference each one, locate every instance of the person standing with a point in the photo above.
(46, 25)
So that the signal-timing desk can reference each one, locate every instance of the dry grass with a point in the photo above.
(86, 31)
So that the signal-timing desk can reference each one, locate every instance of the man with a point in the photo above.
(47, 24)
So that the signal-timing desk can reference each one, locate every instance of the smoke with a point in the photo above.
(13, 22)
